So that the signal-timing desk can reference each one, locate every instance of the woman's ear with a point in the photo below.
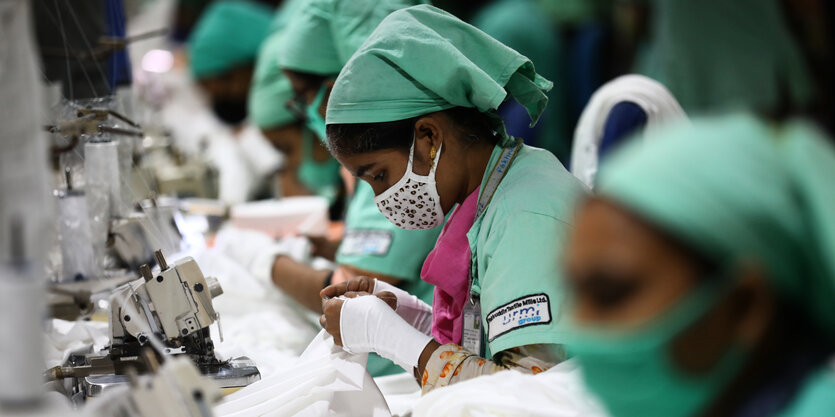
(755, 304)
(428, 139)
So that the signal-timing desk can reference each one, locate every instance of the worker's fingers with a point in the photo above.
(331, 310)
(334, 290)
(361, 283)
(389, 298)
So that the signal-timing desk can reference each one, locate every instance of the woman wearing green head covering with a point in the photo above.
(410, 115)
(309, 168)
(371, 246)
(222, 50)
(320, 40)
(703, 273)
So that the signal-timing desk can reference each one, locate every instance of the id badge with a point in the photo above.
(471, 333)
(366, 242)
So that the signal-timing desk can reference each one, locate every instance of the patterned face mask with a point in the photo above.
(413, 203)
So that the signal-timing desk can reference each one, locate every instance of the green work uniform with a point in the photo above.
(718, 54)
(374, 244)
(816, 397)
(516, 244)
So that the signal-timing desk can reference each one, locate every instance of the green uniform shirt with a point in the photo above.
(374, 244)
(816, 397)
(516, 245)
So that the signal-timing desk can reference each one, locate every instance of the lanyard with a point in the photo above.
(496, 176)
(472, 331)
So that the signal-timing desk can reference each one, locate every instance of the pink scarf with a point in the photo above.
(448, 268)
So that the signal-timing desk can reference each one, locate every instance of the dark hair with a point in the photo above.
(357, 138)
(309, 80)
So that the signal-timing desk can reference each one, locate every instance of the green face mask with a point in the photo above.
(314, 120)
(321, 178)
(634, 373)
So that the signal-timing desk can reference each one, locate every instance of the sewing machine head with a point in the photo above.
(169, 309)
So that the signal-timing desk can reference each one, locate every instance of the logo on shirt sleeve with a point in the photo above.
(521, 312)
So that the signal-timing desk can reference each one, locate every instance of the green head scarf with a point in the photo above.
(325, 34)
(270, 88)
(735, 188)
(227, 36)
(423, 59)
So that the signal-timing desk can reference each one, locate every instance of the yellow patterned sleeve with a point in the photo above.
(451, 363)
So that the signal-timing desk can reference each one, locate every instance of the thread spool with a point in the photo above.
(103, 188)
(77, 254)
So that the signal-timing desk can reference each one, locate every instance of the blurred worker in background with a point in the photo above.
(309, 169)
(222, 52)
(702, 274)
(718, 56)
(410, 115)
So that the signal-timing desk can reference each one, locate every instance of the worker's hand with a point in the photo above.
(361, 323)
(358, 284)
(323, 247)
(332, 310)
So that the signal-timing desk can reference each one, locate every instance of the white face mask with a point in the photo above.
(413, 203)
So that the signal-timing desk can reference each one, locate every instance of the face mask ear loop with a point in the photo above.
(411, 154)
(435, 161)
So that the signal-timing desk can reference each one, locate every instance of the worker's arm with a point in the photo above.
(372, 325)
(304, 283)
(300, 281)
(442, 365)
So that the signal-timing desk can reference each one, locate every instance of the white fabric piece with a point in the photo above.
(303, 215)
(263, 158)
(257, 251)
(409, 307)
(326, 381)
(64, 337)
(656, 101)
(401, 392)
(257, 319)
(368, 324)
(236, 181)
(558, 392)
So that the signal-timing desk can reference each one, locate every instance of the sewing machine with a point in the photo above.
(170, 310)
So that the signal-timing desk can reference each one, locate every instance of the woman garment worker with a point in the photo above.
(409, 115)
(309, 169)
(703, 275)
(222, 51)
(371, 246)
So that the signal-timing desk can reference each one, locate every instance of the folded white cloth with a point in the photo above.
(656, 101)
(326, 381)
